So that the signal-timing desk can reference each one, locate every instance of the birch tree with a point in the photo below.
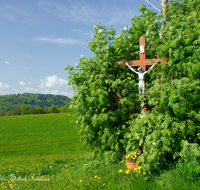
(163, 5)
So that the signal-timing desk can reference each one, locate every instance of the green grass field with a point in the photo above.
(45, 143)
(44, 152)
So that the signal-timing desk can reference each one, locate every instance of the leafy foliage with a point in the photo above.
(106, 96)
(53, 109)
(173, 120)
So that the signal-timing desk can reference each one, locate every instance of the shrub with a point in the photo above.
(106, 97)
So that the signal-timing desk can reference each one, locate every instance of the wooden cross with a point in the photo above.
(143, 62)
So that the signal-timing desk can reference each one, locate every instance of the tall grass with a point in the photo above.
(44, 152)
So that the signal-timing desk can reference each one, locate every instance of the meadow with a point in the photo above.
(45, 152)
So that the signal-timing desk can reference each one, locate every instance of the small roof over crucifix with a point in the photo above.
(143, 62)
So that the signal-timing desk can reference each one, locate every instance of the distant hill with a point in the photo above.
(42, 100)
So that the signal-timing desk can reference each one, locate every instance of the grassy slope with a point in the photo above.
(37, 139)
(37, 147)
(34, 148)
(27, 129)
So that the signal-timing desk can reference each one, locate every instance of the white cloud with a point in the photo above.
(53, 82)
(88, 34)
(42, 83)
(17, 13)
(56, 92)
(41, 3)
(66, 94)
(22, 83)
(6, 62)
(87, 13)
(30, 82)
(60, 40)
(29, 89)
(4, 86)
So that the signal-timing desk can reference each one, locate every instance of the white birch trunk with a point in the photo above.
(163, 5)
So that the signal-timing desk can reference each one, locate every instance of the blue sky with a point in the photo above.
(39, 37)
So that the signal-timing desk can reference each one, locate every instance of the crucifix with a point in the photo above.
(142, 63)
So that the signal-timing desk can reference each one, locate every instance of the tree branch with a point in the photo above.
(159, 2)
(153, 6)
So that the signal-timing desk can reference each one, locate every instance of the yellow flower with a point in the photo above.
(139, 167)
(127, 171)
(98, 177)
(104, 184)
(135, 157)
(95, 176)
(135, 168)
(120, 171)
(80, 181)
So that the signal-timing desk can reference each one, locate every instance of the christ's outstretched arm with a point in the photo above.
(132, 69)
(152, 66)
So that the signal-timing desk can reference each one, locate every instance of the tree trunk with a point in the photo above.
(163, 5)
(164, 11)
(164, 2)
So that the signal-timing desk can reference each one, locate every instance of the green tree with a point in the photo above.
(53, 109)
(7, 101)
(24, 110)
(15, 110)
(2, 113)
(31, 109)
(171, 129)
(106, 95)
(39, 110)
(106, 98)
(64, 109)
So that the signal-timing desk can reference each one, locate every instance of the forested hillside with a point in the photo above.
(42, 100)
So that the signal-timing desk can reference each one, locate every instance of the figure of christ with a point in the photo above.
(141, 84)
(141, 75)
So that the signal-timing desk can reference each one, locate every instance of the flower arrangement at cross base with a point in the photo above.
(131, 158)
